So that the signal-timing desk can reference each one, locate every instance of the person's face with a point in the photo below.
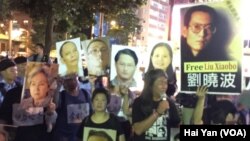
(21, 69)
(70, 55)
(160, 86)
(97, 49)
(10, 73)
(97, 138)
(196, 39)
(39, 86)
(125, 67)
(71, 83)
(39, 50)
(161, 58)
(100, 102)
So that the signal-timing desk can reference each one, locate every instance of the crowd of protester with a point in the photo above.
(82, 108)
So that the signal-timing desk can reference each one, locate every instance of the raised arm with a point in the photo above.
(199, 108)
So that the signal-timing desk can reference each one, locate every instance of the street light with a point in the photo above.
(113, 23)
(16, 34)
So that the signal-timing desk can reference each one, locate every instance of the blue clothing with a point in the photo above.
(85, 85)
(5, 87)
(20, 79)
(71, 111)
(39, 58)
(35, 58)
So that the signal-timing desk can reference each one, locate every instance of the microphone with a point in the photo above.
(164, 98)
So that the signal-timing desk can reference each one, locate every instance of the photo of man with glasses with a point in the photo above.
(198, 32)
(208, 35)
(126, 61)
(97, 54)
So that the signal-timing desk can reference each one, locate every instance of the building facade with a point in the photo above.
(155, 19)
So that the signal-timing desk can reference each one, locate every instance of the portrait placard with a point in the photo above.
(97, 54)
(69, 56)
(125, 66)
(211, 48)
